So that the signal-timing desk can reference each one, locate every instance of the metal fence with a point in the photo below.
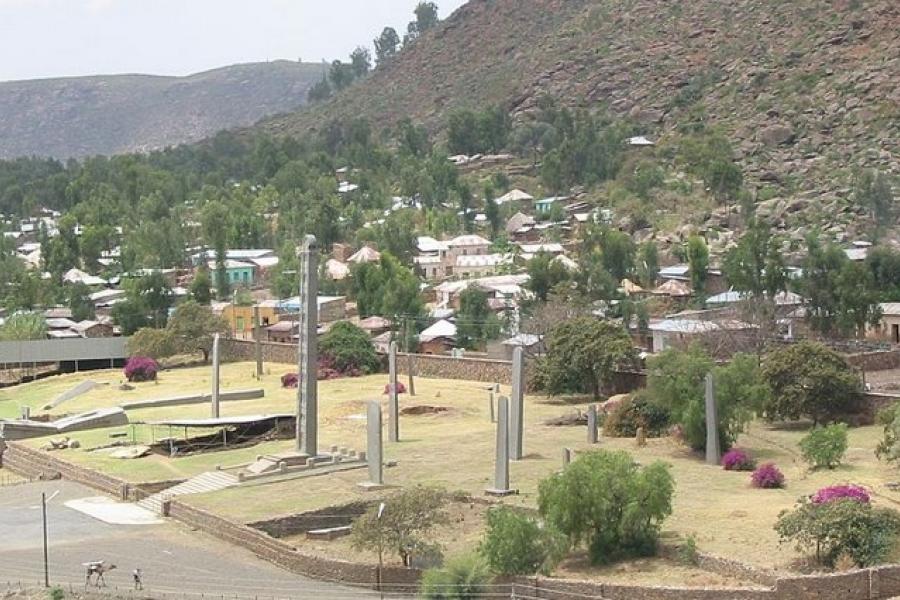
(75, 349)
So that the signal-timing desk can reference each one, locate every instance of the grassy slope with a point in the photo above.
(456, 450)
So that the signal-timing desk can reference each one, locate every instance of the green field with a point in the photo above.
(455, 449)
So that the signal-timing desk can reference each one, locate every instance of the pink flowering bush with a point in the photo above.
(738, 460)
(767, 476)
(141, 368)
(841, 492)
(289, 380)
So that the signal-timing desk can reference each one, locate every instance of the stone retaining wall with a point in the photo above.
(875, 361)
(880, 583)
(37, 464)
(245, 350)
(287, 557)
(446, 367)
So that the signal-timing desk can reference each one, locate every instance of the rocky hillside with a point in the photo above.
(807, 90)
(80, 116)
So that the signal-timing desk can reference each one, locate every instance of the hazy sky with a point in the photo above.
(52, 38)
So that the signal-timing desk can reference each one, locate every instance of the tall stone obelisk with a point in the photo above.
(307, 350)
(214, 397)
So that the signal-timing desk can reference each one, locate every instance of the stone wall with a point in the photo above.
(37, 465)
(875, 361)
(434, 366)
(287, 557)
(880, 583)
(245, 350)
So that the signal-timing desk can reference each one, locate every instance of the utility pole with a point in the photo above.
(46, 557)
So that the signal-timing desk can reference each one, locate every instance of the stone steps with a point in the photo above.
(211, 481)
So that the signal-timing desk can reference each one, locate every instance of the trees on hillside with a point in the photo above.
(386, 45)
(698, 260)
(386, 288)
(756, 266)
(545, 273)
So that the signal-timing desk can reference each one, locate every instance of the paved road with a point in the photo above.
(176, 562)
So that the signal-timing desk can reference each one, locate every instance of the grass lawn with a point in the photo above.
(455, 449)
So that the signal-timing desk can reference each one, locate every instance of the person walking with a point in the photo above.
(138, 576)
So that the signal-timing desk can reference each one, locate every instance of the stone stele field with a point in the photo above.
(454, 449)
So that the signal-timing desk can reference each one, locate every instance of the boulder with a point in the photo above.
(776, 135)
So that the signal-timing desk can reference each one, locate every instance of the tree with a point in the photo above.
(360, 61)
(517, 544)
(155, 296)
(476, 323)
(491, 210)
(426, 16)
(676, 383)
(130, 315)
(193, 326)
(609, 502)
(724, 179)
(216, 223)
(583, 355)
(153, 343)
(648, 263)
(341, 75)
(884, 263)
(386, 45)
(545, 273)
(22, 327)
(349, 348)
(320, 91)
(809, 380)
(201, 287)
(756, 266)
(874, 192)
(408, 515)
(841, 296)
(386, 288)
(698, 260)
(80, 302)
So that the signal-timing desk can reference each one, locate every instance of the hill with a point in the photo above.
(79, 116)
(805, 90)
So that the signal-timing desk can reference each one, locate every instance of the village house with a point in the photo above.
(237, 272)
(439, 338)
(888, 329)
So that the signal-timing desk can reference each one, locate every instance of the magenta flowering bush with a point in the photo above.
(840, 492)
(141, 368)
(738, 460)
(767, 476)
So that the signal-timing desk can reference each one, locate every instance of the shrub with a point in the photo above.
(767, 476)
(608, 501)
(515, 544)
(290, 380)
(463, 578)
(57, 593)
(687, 552)
(824, 447)
(141, 368)
(635, 412)
(738, 460)
(889, 447)
(840, 492)
(840, 527)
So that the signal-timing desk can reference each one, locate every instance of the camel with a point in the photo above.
(98, 568)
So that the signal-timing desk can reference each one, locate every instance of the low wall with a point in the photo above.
(287, 557)
(245, 350)
(875, 361)
(195, 399)
(880, 583)
(446, 367)
(37, 464)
